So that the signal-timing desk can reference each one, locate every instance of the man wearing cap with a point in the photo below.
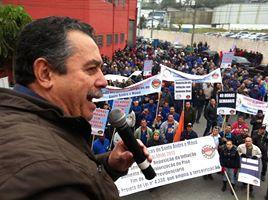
(260, 139)
(188, 133)
(256, 121)
(157, 122)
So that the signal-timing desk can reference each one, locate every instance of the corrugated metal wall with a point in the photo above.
(241, 14)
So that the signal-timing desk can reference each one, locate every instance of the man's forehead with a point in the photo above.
(82, 45)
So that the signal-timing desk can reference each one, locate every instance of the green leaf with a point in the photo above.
(12, 20)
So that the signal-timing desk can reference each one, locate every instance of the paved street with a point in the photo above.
(197, 188)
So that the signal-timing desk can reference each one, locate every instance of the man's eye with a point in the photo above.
(92, 69)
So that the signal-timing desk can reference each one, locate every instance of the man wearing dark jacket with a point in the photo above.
(210, 115)
(230, 162)
(200, 100)
(189, 114)
(256, 121)
(260, 139)
(44, 125)
(188, 133)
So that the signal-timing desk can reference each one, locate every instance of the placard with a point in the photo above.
(98, 122)
(183, 90)
(123, 104)
(249, 171)
(226, 103)
(227, 59)
(147, 68)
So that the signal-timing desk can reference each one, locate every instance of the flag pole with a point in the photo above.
(248, 192)
(223, 123)
(226, 175)
(158, 104)
(180, 127)
(92, 142)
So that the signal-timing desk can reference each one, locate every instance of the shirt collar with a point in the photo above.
(27, 91)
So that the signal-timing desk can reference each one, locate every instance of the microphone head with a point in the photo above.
(117, 118)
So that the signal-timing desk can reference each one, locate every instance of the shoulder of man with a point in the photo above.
(50, 179)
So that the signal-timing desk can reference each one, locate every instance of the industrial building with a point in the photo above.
(114, 21)
(241, 16)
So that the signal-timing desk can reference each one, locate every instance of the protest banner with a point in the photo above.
(123, 104)
(147, 67)
(172, 75)
(147, 86)
(227, 59)
(226, 103)
(249, 172)
(98, 122)
(183, 90)
(4, 82)
(119, 78)
(249, 105)
(172, 163)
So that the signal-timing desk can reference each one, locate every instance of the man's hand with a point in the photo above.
(243, 155)
(121, 159)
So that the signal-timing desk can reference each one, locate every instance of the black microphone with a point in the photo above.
(118, 120)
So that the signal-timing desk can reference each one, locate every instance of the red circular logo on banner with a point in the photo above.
(156, 83)
(208, 151)
(215, 75)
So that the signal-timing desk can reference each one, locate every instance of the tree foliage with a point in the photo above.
(12, 20)
(168, 3)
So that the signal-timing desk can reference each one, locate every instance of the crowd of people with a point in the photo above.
(158, 116)
(45, 152)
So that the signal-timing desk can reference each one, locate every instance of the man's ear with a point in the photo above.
(43, 72)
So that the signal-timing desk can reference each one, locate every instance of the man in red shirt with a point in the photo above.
(239, 125)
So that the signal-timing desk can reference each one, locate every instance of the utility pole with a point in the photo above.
(194, 21)
(153, 1)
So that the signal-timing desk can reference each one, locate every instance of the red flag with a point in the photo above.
(180, 128)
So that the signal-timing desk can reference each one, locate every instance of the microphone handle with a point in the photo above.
(131, 143)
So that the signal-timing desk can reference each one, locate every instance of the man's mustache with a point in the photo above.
(94, 94)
